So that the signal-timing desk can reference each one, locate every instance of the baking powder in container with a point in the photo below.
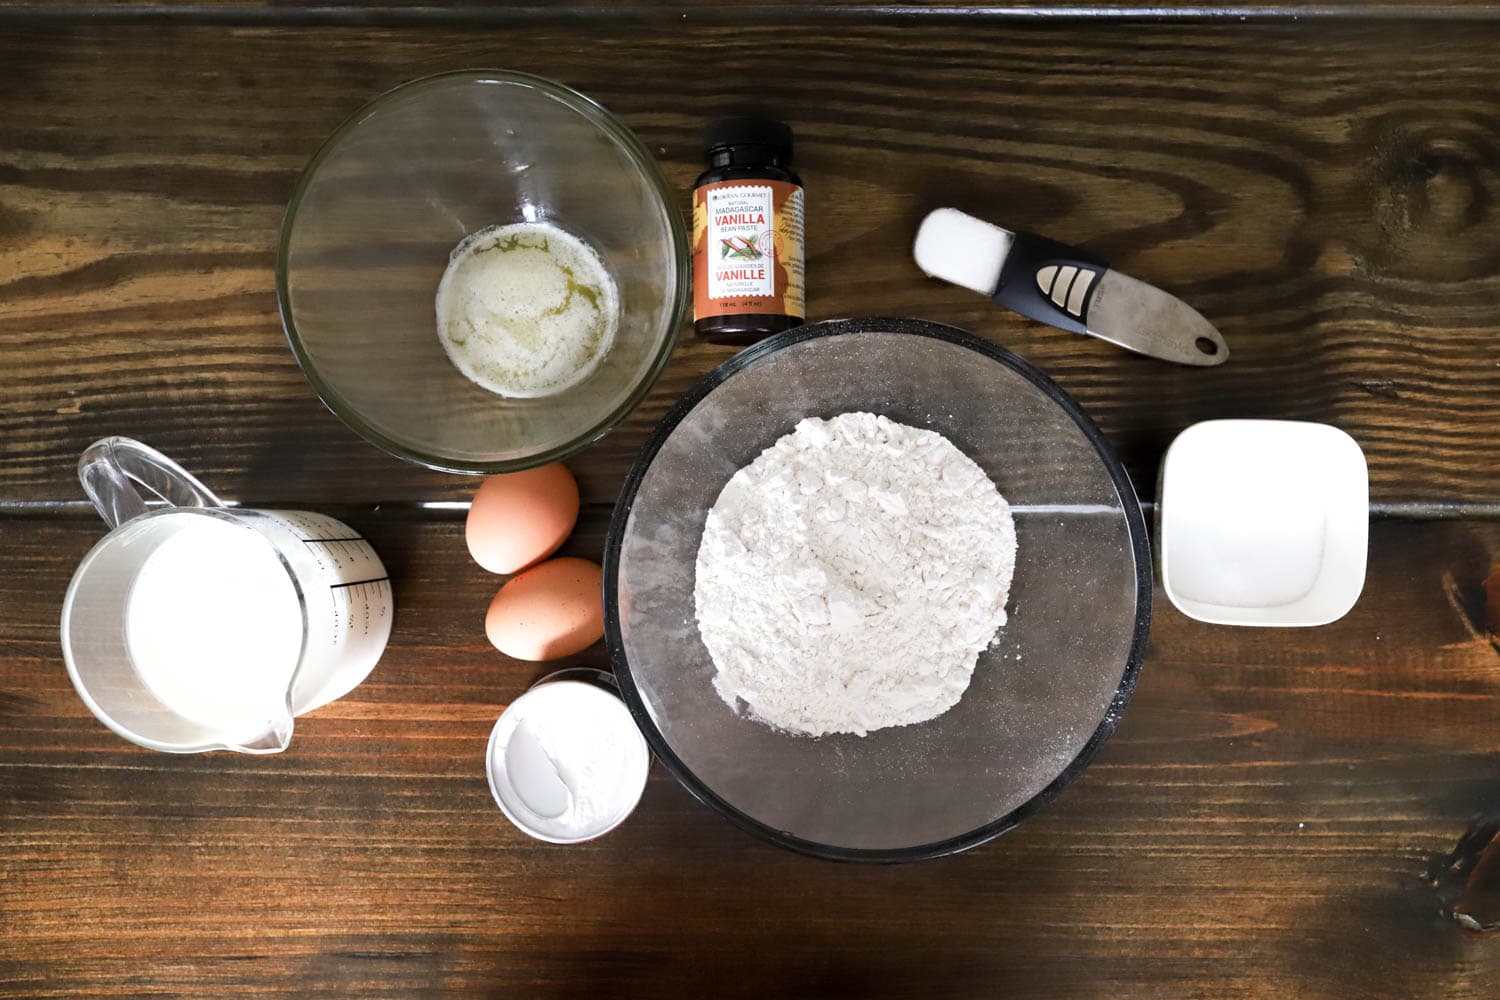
(566, 762)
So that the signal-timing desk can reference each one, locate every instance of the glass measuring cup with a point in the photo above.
(197, 627)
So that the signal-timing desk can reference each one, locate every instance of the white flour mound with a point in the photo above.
(849, 577)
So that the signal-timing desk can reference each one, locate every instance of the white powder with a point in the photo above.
(526, 310)
(1240, 539)
(849, 577)
(1268, 556)
(567, 762)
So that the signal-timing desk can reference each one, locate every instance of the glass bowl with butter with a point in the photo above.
(482, 271)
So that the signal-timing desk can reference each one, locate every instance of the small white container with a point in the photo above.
(1263, 522)
(566, 761)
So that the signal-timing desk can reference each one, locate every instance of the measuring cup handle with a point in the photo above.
(111, 470)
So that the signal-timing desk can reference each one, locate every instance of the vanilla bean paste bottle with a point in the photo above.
(748, 277)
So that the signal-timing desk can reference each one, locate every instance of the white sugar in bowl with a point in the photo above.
(1263, 522)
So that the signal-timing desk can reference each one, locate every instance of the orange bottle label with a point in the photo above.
(747, 249)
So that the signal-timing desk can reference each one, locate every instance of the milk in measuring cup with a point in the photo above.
(213, 625)
(203, 627)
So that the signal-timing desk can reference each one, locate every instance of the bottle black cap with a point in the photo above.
(746, 130)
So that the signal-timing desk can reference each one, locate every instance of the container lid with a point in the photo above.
(748, 130)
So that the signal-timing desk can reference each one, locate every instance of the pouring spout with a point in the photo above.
(274, 740)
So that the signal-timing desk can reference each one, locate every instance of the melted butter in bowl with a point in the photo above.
(526, 310)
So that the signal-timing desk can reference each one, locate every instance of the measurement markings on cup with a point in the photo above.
(364, 601)
(350, 547)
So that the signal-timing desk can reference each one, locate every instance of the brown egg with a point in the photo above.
(521, 518)
(552, 610)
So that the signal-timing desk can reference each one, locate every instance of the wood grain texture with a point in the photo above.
(492, 12)
(394, 12)
(1263, 824)
(1270, 820)
(1324, 197)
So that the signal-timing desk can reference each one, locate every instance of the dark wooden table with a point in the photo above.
(1274, 816)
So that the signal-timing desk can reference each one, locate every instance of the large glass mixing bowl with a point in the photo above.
(391, 193)
(1045, 695)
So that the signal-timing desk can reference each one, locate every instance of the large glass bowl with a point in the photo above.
(1044, 697)
(380, 207)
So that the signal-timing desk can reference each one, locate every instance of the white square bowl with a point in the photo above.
(1264, 522)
